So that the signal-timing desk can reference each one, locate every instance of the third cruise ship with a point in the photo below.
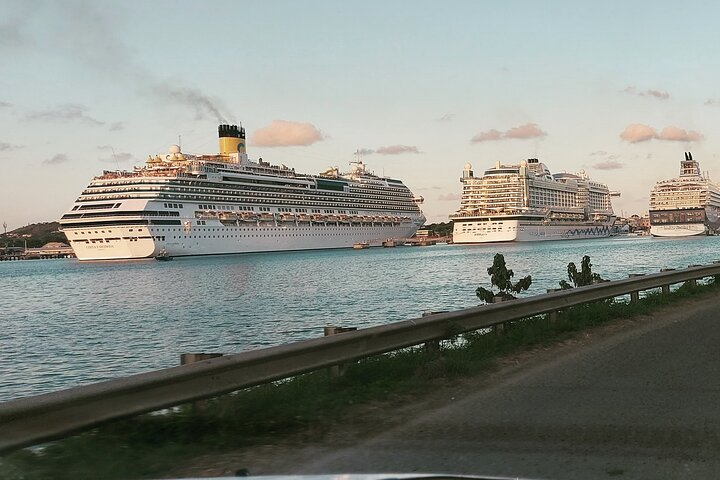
(685, 205)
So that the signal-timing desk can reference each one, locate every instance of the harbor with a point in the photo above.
(265, 299)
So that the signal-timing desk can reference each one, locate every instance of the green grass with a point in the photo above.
(152, 445)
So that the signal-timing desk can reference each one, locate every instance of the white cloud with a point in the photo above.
(66, 113)
(659, 94)
(57, 159)
(450, 197)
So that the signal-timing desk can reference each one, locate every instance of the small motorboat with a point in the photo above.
(163, 256)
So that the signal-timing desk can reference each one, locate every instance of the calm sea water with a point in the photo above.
(67, 323)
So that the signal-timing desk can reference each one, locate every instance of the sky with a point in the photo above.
(618, 89)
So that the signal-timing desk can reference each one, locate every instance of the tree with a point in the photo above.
(501, 277)
(584, 277)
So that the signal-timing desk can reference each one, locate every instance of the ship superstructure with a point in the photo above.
(686, 205)
(180, 204)
(525, 202)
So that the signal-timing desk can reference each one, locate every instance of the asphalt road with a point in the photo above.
(641, 402)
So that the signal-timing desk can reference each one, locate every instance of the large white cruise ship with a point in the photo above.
(179, 204)
(526, 202)
(685, 205)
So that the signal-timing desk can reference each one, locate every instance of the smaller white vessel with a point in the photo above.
(685, 206)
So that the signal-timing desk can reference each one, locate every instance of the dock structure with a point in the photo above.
(49, 250)
(425, 241)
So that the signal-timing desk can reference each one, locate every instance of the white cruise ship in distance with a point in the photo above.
(179, 204)
(685, 205)
(525, 202)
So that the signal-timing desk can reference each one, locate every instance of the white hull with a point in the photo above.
(142, 241)
(500, 230)
(680, 230)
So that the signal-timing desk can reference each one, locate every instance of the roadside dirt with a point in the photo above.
(363, 422)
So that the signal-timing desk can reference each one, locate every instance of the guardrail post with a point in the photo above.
(433, 346)
(693, 281)
(666, 288)
(553, 316)
(716, 278)
(635, 296)
(500, 327)
(187, 358)
(336, 371)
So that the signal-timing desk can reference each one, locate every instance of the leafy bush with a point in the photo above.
(584, 277)
(501, 277)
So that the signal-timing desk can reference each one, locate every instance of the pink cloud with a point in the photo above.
(490, 135)
(397, 150)
(608, 165)
(675, 134)
(637, 132)
(284, 133)
(529, 130)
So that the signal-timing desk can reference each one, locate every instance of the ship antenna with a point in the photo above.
(117, 164)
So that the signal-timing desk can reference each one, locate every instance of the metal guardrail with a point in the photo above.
(33, 420)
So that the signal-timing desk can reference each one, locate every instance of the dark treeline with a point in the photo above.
(440, 229)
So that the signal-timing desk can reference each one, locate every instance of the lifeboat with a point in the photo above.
(304, 217)
(267, 217)
(248, 217)
(228, 216)
(287, 217)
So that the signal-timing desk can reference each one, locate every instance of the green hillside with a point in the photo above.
(37, 235)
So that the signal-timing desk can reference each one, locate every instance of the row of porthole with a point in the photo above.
(267, 229)
(265, 236)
